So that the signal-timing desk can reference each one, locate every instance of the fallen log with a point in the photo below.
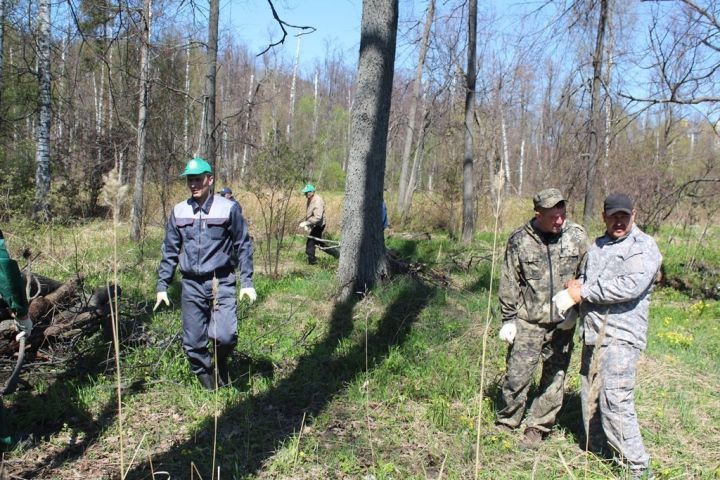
(41, 286)
(64, 313)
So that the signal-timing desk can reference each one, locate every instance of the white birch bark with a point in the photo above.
(293, 83)
(2, 46)
(143, 100)
(248, 117)
(62, 86)
(608, 106)
(521, 166)
(315, 107)
(186, 119)
(505, 148)
(42, 153)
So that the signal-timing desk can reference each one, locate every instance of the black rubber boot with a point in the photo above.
(223, 355)
(207, 380)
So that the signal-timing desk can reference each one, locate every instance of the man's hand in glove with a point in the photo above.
(24, 326)
(161, 298)
(305, 225)
(507, 332)
(563, 302)
(248, 292)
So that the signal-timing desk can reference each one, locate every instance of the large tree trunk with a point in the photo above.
(412, 114)
(42, 153)
(139, 191)
(468, 220)
(595, 122)
(207, 146)
(2, 54)
(362, 255)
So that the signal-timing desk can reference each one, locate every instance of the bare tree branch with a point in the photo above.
(282, 24)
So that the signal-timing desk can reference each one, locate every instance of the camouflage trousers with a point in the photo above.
(532, 344)
(608, 403)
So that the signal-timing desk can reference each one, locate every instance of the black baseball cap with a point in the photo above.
(618, 202)
(225, 191)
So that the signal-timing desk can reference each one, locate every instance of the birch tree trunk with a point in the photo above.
(42, 153)
(416, 98)
(468, 220)
(144, 97)
(315, 107)
(2, 49)
(63, 85)
(505, 148)
(291, 113)
(186, 120)
(608, 105)
(207, 146)
(248, 117)
(362, 256)
(594, 123)
(417, 161)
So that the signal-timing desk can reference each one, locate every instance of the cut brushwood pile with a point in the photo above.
(60, 312)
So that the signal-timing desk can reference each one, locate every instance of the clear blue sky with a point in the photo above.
(337, 24)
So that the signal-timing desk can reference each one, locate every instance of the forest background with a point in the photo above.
(586, 96)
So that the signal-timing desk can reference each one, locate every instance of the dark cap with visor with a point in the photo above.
(618, 202)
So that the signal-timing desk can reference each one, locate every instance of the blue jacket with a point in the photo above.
(618, 277)
(205, 240)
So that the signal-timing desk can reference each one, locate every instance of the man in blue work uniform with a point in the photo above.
(208, 237)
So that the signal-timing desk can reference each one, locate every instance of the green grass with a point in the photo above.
(387, 387)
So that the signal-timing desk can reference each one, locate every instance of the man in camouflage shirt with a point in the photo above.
(614, 295)
(540, 257)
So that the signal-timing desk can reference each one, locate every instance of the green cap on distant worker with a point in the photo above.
(196, 166)
(308, 188)
(548, 198)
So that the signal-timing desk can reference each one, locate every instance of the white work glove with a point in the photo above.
(507, 332)
(248, 292)
(563, 301)
(570, 319)
(305, 225)
(161, 298)
(24, 326)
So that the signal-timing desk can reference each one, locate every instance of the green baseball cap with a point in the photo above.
(548, 198)
(308, 188)
(196, 166)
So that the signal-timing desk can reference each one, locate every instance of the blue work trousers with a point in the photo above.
(206, 318)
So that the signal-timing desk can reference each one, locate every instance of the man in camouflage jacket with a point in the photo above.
(540, 257)
(614, 295)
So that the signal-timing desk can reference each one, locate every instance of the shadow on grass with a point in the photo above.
(40, 417)
(570, 417)
(405, 248)
(251, 431)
